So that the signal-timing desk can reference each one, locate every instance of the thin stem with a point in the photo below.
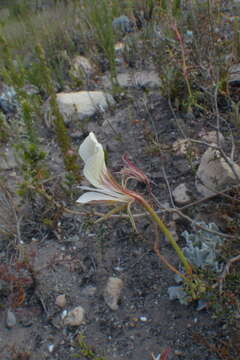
(167, 233)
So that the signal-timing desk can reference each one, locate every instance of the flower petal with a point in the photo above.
(89, 197)
(87, 148)
(108, 191)
(91, 151)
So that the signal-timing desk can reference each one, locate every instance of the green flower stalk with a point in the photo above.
(107, 190)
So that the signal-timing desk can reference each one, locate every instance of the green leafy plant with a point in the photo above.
(100, 16)
(63, 140)
(85, 350)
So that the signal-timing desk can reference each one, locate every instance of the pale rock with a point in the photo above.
(80, 105)
(75, 317)
(180, 194)
(122, 24)
(7, 160)
(50, 348)
(119, 48)
(61, 300)
(11, 320)
(234, 80)
(214, 174)
(234, 75)
(112, 292)
(8, 100)
(136, 79)
(81, 66)
(176, 217)
(211, 137)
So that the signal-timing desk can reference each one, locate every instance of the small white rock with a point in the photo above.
(112, 292)
(145, 79)
(81, 65)
(10, 319)
(7, 159)
(214, 174)
(64, 314)
(75, 317)
(180, 194)
(79, 105)
(50, 348)
(119, 47)
(61, 300)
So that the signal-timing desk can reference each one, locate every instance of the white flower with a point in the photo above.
(105, 186)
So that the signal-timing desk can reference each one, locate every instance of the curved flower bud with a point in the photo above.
(132, 172)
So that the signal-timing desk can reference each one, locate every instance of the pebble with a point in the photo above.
(122, 24)
(112, 292)
(64, 314)
(10, 319)
(75, 317)
(50, 348)
(61, 300)
(214, 174)
(180, 194)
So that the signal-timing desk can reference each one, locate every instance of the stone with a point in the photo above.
(211, 137)
(7, 160)
(8, 99)
(81, 66)
(234, 75)
(112, 292)
(50, 348)
(180, 194)
(80, 105)
(136, 79)
(75, 317)
(119, 48)
(234, 81)
(61, 300)
(214, 174)
(122, 24)
(11, 320)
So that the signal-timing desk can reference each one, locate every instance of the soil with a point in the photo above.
(78, 257)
